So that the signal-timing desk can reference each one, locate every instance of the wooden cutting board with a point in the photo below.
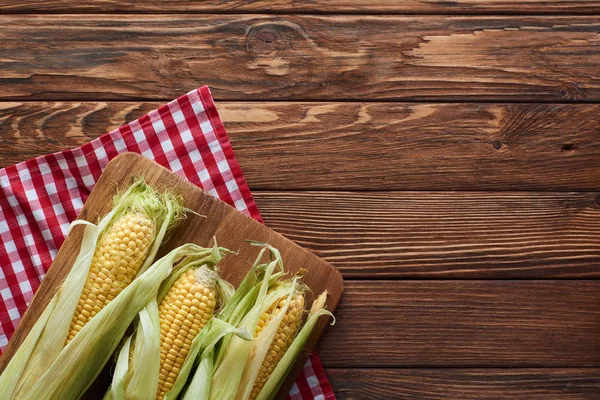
(216, 219)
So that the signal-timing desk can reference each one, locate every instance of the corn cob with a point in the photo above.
(286, 332)
(119, 254)
(185, 310)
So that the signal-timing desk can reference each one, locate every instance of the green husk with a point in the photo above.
(16, 366)
(202, 348)
(199, 388)
(144, 365)
(146, 353)
(229, 367)
(120, 374)
(50, 342)
(83, 358)
(245, 296)
(44, 346)
(263, 341)
(285, 365)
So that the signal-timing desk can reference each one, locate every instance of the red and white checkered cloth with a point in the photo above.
(39, 198)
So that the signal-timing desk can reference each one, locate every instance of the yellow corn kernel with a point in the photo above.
(118, 257)
(185, 310)
(283, 338)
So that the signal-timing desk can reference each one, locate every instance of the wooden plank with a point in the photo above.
(313, 6)
(79, 57)
(364, 146)
(443, 234)
(465, 323)
(466, 384)
(211, 219)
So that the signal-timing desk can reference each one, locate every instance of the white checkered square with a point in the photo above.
(18, 266)
(119, 144)
(294, 390)
(12, 200)
(51, 188)
(167, 146)
(14, 315)
(158, 125)
(88, 181)
(25, 286)
(175, 165)
(21, 220)
(197, 107)
(240, 204)
(187, 138)
(31, 194)
(3, 226)
(206, 127)
(71, 183)
(6, 294)
(24, 174)
(178, 116)
(139, 135)
(10, 246)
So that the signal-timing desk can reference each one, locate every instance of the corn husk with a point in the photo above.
(141, 378)
(263, 341)
(199, 388)
(75, 368)
(287, 362)
(229, 368)
(202, 349)
(236, 363)
(34, 369)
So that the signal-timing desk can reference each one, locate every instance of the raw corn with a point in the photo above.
(185, 310)
(173, 329)
(111, 281)
(270, 304)
(275, 380)
(286, 332)
(118, 257)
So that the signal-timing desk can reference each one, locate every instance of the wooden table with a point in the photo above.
(445, 155)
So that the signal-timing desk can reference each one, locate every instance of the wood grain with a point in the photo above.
(213, 218)
(362, 146)
(313, 6)
(465, 323)
(466, 384)
(443, 234)
(91, 57)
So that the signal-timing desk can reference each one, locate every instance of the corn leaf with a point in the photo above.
(146, 353)
(263, 341)
(10, 376)
(230, 368)
(82, 359)
(118, 387)
(288, 360)
(55, 328)
(201, 347)
(199, 388)
(144, 366)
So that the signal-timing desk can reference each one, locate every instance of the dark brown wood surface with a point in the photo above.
(294, 57)
(467, 384)
(469, 323)
(443, 154)
(359, 146)
(312, 6)
(491, 235)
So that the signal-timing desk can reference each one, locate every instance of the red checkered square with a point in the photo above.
(39, 199)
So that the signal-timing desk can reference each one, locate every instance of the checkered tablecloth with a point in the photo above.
(40, 197)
